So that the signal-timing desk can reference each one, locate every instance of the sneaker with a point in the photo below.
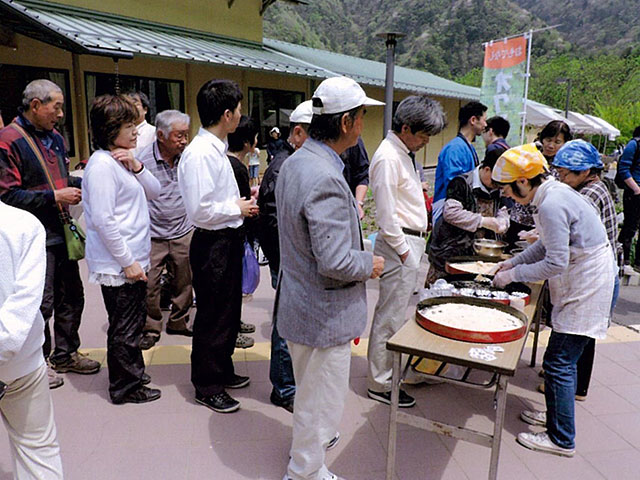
(328, 476)
(244, 342)
(55, 380)
(333, 442)
(286, 403)
(247, 327)
(77, 363)
(541, 442)
(534, 417)
(238, 381)
(145, 379)
(405, 400)
(580, 398)
(148, 340)
(141, 395)
(220, 402)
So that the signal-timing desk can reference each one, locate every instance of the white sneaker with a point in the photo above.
(333, 442)
(534, 417)
(541, 442)
(328, 476)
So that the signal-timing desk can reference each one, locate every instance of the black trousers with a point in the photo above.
(127, 310)
(631, 205)
(63, 299)
(216, 263)
(585, 367)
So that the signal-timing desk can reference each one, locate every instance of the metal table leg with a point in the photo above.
(501, 393)
(536, 334)
(393, 415)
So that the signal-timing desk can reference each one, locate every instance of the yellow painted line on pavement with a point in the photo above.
(180, 354)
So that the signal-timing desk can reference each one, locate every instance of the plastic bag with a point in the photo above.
(250, 270)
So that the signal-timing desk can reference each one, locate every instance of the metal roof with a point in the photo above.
(370, 72)
(89, 32)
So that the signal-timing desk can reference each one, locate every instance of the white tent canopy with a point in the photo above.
(538, 115)
(584, 125)
(609, 130)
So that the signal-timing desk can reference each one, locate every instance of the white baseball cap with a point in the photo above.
(275, 129)
(302, 113)
(340, 94)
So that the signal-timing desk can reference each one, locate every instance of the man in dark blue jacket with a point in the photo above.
(629, 170)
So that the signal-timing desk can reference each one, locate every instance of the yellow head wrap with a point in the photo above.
(525, 161)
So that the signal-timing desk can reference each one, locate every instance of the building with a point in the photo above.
(168, 49)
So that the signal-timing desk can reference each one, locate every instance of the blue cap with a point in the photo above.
(578, 155)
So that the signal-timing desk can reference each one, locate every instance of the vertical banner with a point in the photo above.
(504, 82)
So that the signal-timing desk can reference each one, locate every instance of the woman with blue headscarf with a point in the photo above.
(578, 165)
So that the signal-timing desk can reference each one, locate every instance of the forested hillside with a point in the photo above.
(597, 45)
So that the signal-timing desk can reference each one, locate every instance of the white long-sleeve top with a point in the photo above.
(115, 207)
(146, 136)
(208, 186)
(397, 191)
(22, 271)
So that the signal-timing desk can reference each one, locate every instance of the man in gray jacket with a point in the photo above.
(321, 300)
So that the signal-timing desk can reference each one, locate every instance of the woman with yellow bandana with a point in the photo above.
(574, 255)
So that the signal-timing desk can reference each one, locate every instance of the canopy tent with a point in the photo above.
(584, 125)
(609, 130)
(538, 115)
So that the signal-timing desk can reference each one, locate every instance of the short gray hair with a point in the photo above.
(420, 114)
(165, 119)
(40, 89)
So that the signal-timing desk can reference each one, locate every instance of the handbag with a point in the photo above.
(74, 237)
(250, 270)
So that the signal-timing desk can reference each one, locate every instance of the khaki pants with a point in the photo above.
(27, 413)
(174, 254)
(397, 283)
(322, 382)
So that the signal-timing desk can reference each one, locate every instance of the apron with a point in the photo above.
(581, 295)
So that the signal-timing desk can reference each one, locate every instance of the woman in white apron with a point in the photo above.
(574, 255)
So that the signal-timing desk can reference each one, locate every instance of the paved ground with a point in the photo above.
(175, 438)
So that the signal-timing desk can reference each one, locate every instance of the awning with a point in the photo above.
(89, 32)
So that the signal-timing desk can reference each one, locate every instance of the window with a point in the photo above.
(271, 108)
(163, 94)
(14, 79)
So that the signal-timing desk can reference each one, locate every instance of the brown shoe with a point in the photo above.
(77, 363)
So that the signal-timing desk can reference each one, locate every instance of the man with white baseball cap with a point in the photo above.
(280, 369)
(321, 302)
(275, 144)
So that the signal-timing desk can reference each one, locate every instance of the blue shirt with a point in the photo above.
(626, 168)
(457, 157)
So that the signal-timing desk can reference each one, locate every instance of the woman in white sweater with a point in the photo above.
(115, 189)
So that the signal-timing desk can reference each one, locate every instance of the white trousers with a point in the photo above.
(27, 413)
(322, 381)
(397, 283)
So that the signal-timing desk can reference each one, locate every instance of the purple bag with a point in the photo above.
(250, 270)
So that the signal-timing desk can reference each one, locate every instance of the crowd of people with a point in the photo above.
(161, 208)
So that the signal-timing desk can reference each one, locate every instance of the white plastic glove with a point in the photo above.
(491, 223)
(503, 278)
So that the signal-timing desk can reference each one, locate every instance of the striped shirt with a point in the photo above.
(167, 212)
(598, 193)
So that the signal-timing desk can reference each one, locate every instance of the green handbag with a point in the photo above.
(74, 237)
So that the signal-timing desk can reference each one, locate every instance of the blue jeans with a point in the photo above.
(560, 359)
(280, 367)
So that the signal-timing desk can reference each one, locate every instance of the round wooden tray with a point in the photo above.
(475, 336)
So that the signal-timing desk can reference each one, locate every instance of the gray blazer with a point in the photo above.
(321, 297)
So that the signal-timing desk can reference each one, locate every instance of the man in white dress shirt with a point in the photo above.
(402, 217)
(214, 206)
(146, 131)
